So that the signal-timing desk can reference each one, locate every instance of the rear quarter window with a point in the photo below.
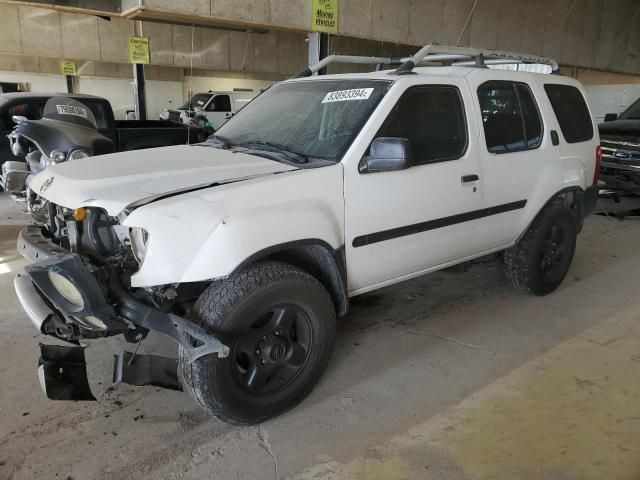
(571, 111)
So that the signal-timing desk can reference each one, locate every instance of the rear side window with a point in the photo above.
(571, 111)
(433, 120)
(510, 117)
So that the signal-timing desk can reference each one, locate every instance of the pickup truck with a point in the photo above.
(216, 107)
(620, 141)
(126, 134)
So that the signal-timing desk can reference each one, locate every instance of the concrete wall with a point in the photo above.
(605, 99)
(40, 32)
(599, 34)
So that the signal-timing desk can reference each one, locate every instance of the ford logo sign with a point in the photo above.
(622, 155)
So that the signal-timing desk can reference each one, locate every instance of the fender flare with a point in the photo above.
(574, 199)
(326, 264)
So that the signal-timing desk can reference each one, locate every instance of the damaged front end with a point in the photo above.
(77, 288)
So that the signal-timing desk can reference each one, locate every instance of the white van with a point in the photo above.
(218, 107)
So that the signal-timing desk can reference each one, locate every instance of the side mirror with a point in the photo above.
(18, 119)
(610, 117)
(387, 154)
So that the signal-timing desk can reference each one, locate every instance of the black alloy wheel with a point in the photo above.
(275, 348)
(279, 323)
(553, 254)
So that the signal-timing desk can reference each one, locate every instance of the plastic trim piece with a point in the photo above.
(416, 228)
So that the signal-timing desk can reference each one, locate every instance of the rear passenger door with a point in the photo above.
(512, 156)
(400, 223)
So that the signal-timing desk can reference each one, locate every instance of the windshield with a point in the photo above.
(632, 113)
(197, 102)
(313, 119)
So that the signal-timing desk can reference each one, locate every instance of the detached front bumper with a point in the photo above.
(94, 303)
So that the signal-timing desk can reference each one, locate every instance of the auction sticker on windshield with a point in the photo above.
(348, 95)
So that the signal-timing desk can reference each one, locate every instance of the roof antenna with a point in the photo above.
(193, 30)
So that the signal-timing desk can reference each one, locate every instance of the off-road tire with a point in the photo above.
(222, 310)
(522, 261)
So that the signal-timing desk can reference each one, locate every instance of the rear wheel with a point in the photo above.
(539, 262)
(279, 323)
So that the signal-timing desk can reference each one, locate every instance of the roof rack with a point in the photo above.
(432, 53)
(348, 59)
(443, 54)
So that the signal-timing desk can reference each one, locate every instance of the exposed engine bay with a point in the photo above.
(92, 249)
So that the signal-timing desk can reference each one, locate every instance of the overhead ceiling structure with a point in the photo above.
(596, 34)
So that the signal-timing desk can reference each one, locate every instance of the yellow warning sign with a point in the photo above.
(139, 50)
(325, 16)
(68, 68)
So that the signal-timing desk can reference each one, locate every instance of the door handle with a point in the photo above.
(466, 179)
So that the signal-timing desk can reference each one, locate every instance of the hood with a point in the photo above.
(620, 127)
(49, 135)
(114, 181)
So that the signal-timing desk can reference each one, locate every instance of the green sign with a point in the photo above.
(325, 16)
(68, 68)
(139, 50)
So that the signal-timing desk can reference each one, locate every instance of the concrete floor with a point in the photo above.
(451, 376)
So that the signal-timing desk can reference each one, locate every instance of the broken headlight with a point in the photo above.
(139, 238)
(66, 289)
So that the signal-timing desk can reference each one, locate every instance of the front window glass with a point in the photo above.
(432, 119)
(632, 113)
(220, 103)
(316, 118)
(197, 102)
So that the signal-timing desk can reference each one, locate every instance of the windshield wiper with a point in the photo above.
(219, 141)
(274, 147)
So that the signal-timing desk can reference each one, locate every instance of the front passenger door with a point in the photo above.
(400, 223)
(219, 110)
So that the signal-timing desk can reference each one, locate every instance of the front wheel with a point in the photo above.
(279, 323)
(539, 262)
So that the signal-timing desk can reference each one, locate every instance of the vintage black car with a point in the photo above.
(125, 134)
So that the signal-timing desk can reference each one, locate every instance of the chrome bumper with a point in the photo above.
(32, 303)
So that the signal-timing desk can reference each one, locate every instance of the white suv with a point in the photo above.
(244, 249)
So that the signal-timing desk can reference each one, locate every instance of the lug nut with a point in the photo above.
(277, 333)
(257, 351)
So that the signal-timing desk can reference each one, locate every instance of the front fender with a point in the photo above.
(208, 234)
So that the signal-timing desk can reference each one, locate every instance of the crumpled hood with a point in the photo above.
(114, 181)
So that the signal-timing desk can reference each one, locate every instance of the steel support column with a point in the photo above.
(140, 91)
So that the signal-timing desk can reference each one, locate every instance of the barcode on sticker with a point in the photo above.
(348, 95)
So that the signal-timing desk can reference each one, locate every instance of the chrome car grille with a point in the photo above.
(620, 154)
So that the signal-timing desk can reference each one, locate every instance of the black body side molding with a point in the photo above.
(416, 228)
